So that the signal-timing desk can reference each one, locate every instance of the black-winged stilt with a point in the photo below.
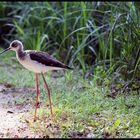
(38, 62)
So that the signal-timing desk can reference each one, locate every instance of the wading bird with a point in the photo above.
(37, 62)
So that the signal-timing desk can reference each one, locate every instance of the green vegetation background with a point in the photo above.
(101, 41)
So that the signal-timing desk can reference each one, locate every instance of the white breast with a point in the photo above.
(35, 66)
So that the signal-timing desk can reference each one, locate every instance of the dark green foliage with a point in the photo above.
(83, 34)
(101, 41)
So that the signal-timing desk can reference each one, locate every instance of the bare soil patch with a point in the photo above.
(13, 113)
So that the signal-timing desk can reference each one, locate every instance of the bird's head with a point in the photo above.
(15, 45)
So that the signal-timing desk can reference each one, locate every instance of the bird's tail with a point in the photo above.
(67, 67)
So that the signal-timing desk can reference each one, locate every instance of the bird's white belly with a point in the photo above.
(35, 66)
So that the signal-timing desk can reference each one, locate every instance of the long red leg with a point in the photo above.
(37, 93)
(49, 94)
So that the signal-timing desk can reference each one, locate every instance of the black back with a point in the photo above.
(47, 60)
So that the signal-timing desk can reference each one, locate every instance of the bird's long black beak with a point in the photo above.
(5, 50)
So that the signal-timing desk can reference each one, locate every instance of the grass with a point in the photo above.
(81, 107)
(112, 32)
(100, 98)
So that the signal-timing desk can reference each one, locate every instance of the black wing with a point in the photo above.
(47, 60)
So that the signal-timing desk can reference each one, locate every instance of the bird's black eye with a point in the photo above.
(14, 44)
